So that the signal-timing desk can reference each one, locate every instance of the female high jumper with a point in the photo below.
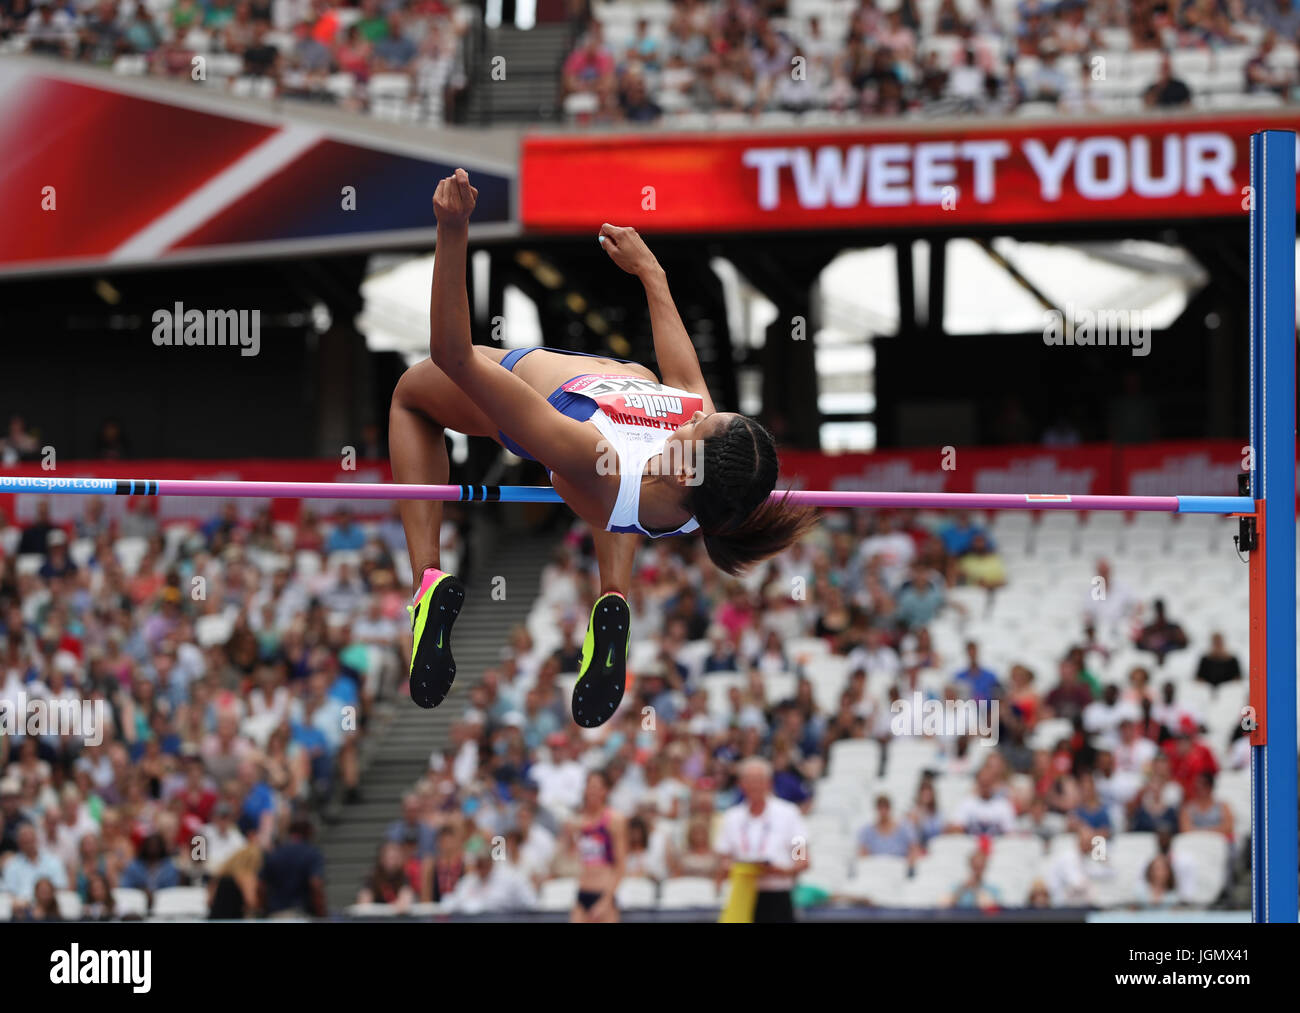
(629, 455)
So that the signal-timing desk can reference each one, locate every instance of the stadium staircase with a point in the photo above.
(530, 90)
(398, 749)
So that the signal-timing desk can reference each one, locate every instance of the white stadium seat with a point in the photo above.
(683, 892)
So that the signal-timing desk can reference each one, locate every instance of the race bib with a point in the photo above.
(636, 404)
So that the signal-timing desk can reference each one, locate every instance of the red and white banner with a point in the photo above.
(928, 176)
(93, 173)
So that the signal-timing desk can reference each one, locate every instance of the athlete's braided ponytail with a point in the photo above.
(740, 523)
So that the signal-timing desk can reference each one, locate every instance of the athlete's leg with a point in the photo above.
(602, 670)
(615, 556)
(425, 404)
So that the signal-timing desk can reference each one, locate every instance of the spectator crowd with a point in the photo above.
(406, 58)
(948, 57)
(215, 679)
(356, 55)
(724, 670)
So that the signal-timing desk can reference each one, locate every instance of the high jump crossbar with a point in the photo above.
(1275, 890)
(544, 494)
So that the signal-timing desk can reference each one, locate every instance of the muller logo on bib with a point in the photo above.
(656, 406)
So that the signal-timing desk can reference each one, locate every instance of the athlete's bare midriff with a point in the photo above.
(544, 370)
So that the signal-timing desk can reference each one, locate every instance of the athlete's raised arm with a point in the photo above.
(563, 445)
(678, 363)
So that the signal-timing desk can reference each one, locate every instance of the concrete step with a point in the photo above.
(398, 755)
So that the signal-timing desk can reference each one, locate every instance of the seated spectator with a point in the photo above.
(493, 886)
(958, 535)
(1103, 717)
(1260, 75)
(1156, 806)
(917, 654)
(221, 837)
(924, 819)
(261, 58)
(447, 867)
(948, 19)
(893, 547)
(1167, 91)
(412, 821)
(1091, 811)
(98, 904)
(142, 36)
(644, 49)
(569, 654)
(982, 566)
(29, 865)
(979, 682)
(1202, 811)
(36, 535)
(698, 857)
(1158, 887)
(1070, 696)
(886, 836)
(834, 614)
(1073, 874)
(771, 660)
(1188, 757)
(394, 51)
(19, 444)
(921, 598)
(353, 55)
(1176, 718)
(1133, 755)
(640, 862)
(1039, 821)
(234, 891)
(347, 535)
(986, 812)
(974, 892)
(388, 882)
(293, 874)
(153, 868)
(309, 54)
(967, 85)
(1110, 606)
(57, 562)
(590, 67)
(50, 30)
(1022, 697)
(372, 25)
(1282, 16)
(1048, 83)
(1161, 636)
(722, 657)
(1218, 665)
(44, 905)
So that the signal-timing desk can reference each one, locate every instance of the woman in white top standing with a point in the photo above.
(630, 455)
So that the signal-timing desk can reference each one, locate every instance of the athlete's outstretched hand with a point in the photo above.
(454, 200)
(627, 249)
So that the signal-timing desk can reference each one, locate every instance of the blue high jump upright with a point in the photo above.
(1272, 484)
